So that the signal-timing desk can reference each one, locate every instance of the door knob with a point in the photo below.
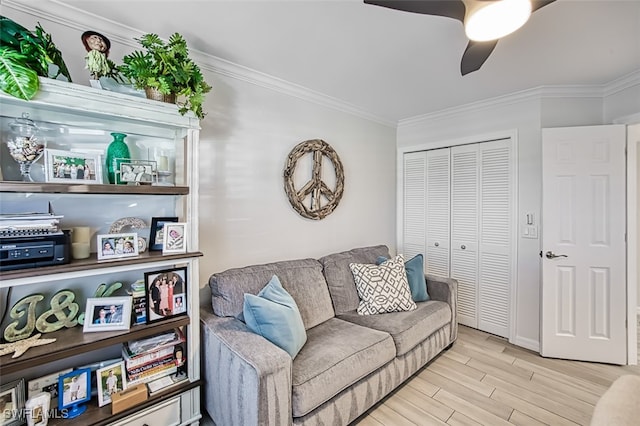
(437, 244)
(463, 247)
(552, 255)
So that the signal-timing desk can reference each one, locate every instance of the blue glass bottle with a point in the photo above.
(116, 151)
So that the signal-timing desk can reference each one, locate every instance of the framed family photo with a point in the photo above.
(174, 238)
(107, 314)
(11, 403)
(115, 246)
(111, 379)
(72, 167)
(166, 293)
(138, 172)
(157, 231)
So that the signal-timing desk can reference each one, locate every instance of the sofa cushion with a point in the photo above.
(274, 315)
(337, 354)
(407, 329)
(340, 279)
(302, 279)
(382, 288)
(415, 277)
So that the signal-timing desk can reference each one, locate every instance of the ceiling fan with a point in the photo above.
(485, 21)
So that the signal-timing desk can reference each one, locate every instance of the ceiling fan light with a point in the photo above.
(486, 20)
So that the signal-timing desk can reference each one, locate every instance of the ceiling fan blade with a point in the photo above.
(537, 4)
(449, 8)
(475, 55)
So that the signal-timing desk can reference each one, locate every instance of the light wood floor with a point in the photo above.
(484, 380)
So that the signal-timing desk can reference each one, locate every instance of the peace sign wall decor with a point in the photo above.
(315, 200)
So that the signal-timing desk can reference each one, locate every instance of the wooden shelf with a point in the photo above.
(93, 263)
(100, 416)
(72, 341)
(81, 188)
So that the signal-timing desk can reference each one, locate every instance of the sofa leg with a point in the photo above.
(448, 347)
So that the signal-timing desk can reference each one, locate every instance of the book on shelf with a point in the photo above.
(144, 359)
(134, 370)
(139, 301)
(141, 347)
(153, 375)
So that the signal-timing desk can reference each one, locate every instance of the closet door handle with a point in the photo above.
(463, 247)
(437, 244)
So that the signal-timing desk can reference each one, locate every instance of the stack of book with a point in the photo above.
(154, 357)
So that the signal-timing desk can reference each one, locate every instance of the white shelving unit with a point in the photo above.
(76, 117)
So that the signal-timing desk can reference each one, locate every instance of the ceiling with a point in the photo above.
(393, 64)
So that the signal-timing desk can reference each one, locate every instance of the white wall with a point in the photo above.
(245, 215)
(526, 113)
(253, 124)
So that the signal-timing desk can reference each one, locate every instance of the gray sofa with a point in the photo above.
(349, 361)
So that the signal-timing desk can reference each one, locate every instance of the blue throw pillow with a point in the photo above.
(415, 276)
(274, 315)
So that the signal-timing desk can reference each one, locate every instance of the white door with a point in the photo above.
(464, 230)
(583, 244)
(496, 234)
(414, 203)
(437, 215)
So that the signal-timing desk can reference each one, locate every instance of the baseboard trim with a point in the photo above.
(526, 343)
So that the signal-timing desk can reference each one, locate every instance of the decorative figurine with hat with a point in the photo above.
(98, 47)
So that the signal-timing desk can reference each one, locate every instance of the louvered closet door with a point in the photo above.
(414, 208)
(437, 217)
(495, 237)
(464, 230)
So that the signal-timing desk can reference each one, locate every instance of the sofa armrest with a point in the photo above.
(247, 378)
(445, 290)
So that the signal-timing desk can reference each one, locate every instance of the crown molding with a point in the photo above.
(533, 94)
(76, 18)
(542, 92)
(623, 83)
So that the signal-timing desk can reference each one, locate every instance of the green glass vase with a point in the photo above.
(117, 152)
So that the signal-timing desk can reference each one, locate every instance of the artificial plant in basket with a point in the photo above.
(166, 66)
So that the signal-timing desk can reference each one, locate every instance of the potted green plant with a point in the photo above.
(25, 55)
(164, 69)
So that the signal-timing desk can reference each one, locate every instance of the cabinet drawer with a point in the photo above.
(166, 413)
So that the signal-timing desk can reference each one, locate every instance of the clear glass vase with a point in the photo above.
(117, 152)
(25, 144)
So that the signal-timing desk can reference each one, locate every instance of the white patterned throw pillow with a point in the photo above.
(382, 288)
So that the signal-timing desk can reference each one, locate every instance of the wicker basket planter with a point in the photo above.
(153, 93)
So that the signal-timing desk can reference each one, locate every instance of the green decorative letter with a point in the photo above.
(57, 307)
(12, 333)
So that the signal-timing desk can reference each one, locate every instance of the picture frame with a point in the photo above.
(116, 246)
(156, 236)
(72, 167)
(174, 238)
(74, 389)
(110, 379)
(138, 172)
(48, 383)
(11, 403)
(37, 409)
(107, 314)
(166, 294)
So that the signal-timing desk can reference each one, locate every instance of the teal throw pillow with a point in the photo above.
(274, 315)
(415, 276)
